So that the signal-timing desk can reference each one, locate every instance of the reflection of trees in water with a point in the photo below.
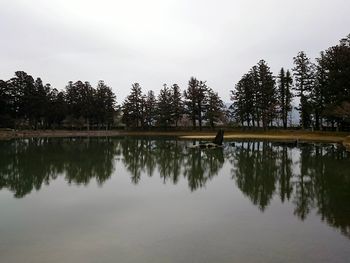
(331, 174)
(255, 171)
(27, 164)
(324, 183)
(318, 177)
(311, 177)
(145, 156)
(284, 162)
(202, 165)
(304, 185)
(171, 158)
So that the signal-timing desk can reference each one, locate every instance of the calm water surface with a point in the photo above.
(143, 200)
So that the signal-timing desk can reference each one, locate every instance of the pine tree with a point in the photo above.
(133, 106)
(253, 92)
(58, 108)
(81, 100)
(267, 94)
(105, 104)
(255, 98)
(164, 107)
(22, 91)
(284, 95)
(336, 62)
(176, 103)
(195, 100)
(150, 109)
(243, 105)
(40, 101)
(215, 108)
(319, 91)
(190, 100)
(73, 98)
(238, 106)
(304, 80)
(201, 99)
(5, 105)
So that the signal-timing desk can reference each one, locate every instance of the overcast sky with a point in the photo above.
(162, 41)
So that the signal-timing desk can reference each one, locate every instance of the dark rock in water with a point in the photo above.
(217, 142)
(219, 138)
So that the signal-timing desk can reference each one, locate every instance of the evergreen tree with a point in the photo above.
(201, 100)
(150, 109)
(237, 96)
(164, 107)
(304, 81)
(243, 105)
(133, 106)
(195, 100)
(73, 98)
(176, 103)
(319, 91)
(105, 104)
(58, 108)
(284, 95)
(22, 92)
(88, 102)
(255, 98)
(215, 108)
(80, 101)
(336, 62)
(267, 100)
(5, 105)
(40, 102)
(190, 100)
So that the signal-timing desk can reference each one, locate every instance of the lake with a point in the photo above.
(156, 200)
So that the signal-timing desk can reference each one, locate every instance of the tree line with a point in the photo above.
(25, 102)
(198, 104)
(259, 99)
(322, 90)
(28, 103)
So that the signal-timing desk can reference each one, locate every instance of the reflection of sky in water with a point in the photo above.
(142, 201)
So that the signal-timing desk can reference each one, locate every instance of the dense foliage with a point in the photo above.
(28, 103)
(321, 89)
(198, 104)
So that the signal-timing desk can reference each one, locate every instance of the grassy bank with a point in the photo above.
(277, 135)
(11, 134)
(303, 136)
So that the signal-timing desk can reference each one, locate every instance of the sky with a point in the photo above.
(162, 41)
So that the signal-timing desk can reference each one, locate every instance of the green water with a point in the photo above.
(144, 200)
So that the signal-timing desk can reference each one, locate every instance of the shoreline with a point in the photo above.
(274, 135)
